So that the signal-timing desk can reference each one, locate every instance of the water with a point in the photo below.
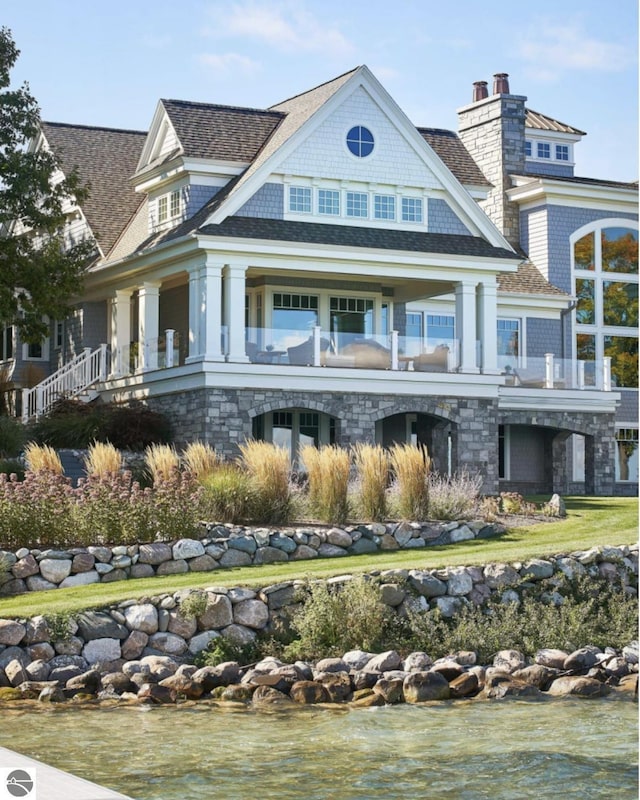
(467, 750)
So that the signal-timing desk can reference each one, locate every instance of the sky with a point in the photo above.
(108, 63)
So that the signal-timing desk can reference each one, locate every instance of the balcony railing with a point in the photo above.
(550, 372)
(152, 354)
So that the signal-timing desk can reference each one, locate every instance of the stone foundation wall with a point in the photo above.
(223, 546)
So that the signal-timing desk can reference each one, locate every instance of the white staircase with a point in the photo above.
(74, 379)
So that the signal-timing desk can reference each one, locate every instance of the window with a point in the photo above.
(527, 148)
(38, 351)
(59, 334)
(627, 454)
(562, 152)
(544, 150)
(508, 335)
(360, 141)
(295, 428)
(300, 199)
(351, 318)
(169, 206)
(6, 344)
(414, 329)
(357, 204)
(411, 209)
(163, 204)
(440, 329)
(328, 201)
(605, 262)
(174, 204)
(384, 206)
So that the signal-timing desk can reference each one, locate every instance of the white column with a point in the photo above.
(548, 371)
(234, 292)
(211, 311)
(487, 300)
(195, 312)
(120, 332)
(466, 325)
(148, 324)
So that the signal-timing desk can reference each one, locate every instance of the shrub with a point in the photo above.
(411, 466)
(42, 458)
(454, 497)
(11, 467)
(193, 605)
(228, 495)
(328, 481)
(161, 460)
(221, 650)
(103, 459)
(59, 625)
(335, 619)
(70, 423)
(372, 463)
(200, 459)
(269, 469)
(514, 503)
(12, 437)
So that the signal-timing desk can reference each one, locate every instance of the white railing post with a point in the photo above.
(581, 367)
(86, 366)
(606, 373)
(393, 341)
(548, 370)
(25, 404)
(316, 345)
(103, 363)
(168, 338)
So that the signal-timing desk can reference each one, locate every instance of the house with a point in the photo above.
(324, 271)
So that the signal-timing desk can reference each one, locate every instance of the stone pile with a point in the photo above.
(221, 546)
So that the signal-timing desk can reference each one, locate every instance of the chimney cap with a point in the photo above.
(480, 91)
(501, 83)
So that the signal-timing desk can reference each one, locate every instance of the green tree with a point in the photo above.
(41, 267)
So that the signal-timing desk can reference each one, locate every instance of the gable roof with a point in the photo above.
(225, 133)
(527, 280)
(448, 146)
(105, 159)
(541, 122)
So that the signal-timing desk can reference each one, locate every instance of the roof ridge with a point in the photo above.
(201, 104)
(421, 128)
(92, 127)
(315, 88)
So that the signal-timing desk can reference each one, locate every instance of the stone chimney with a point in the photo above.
(492, 130)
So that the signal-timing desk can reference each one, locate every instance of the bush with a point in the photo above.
(328, 482)
(372, 463)
(455, 497)
(411, 466)
(269, 468)
(10, 467)
(12, 437)
(335, 619)
(228, 495)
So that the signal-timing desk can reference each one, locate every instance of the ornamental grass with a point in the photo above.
(372, 464)
(103, 459)
(454, 497)
(269, 468)
(328, 481)
(411, 465)
(201, 460)
(161, 460)
(42, 458)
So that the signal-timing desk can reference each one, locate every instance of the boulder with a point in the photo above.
(156, 694)
(309, 693)
(537, 675)
(391, 690)
(332, 665)
(549, 657)
(270, 555)
(172, 567)
(236, 558)
(251, 613)
(578, 686)
(154, 553)
(356, 659)
(55, 570)
(218, 613)
(582, 659)
(142, 617)
(448, 668)
(497, 576)
(500, 684)
(337, 684)
(384, 662)
(417, 662)
(459, 581)
(25, 567)
(201, 641)
(509, 660)
(99, 625)
(82, 562)
(97, 651)
(426, 584)
(168, 643)
(392, 594)
(11, 633)
(181, 626)
(465, 685)
(420, 687)
(184, 685)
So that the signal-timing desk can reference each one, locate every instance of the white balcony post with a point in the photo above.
(466, 325)
(85, 380)
(195, 343)
(316, 345)
(234, 292)
(211, 311)
(581, 367)
(120, 331)
(148, 324)
(393, 341)
(103, 363)
(168, 340)
(487, 306)
(606, 373)
(548, 370)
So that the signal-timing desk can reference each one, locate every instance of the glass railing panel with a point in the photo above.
(430, 355)
(358, 350)
(279, 346)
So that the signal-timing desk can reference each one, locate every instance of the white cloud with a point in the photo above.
(285, 26)
(550, 48)
(229, 62)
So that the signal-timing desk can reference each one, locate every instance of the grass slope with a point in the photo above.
(590, 521)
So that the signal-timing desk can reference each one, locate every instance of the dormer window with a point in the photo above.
(169, 206)
(544, 150)
(562, 152)
(527, 148)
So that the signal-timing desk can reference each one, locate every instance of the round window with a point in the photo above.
(360, 141)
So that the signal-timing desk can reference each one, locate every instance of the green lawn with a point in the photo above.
(590, 521)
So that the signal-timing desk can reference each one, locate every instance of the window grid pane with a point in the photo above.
(412, 209)
(175, 204)
(357, 204)
(384, 206)
(562, 152)
(300, 199)
(544, 150)
(328, 201)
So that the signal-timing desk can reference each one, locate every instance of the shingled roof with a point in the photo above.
(527, 280)
(541, 122)
(105, 159)
(225, 133)
(448, 146)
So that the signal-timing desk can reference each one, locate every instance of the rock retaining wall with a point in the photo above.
(221, 546)
(155, 637)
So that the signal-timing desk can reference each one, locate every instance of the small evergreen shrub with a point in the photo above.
(11, 467)
(221, 650)
(12, 437)
(411, 467)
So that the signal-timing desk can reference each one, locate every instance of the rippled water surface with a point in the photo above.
(501, 750)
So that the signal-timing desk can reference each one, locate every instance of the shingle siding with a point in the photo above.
(266, 203)
(551, 169)
(543, 336)
(628, 409)
(196, 195)
(442, 219)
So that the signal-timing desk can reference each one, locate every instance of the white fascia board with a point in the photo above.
(207, 166)
(470, 213)
(535, 305)
(477, 192)
(257, 248)
(562, 137)
(529, 193)
(541, 400)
